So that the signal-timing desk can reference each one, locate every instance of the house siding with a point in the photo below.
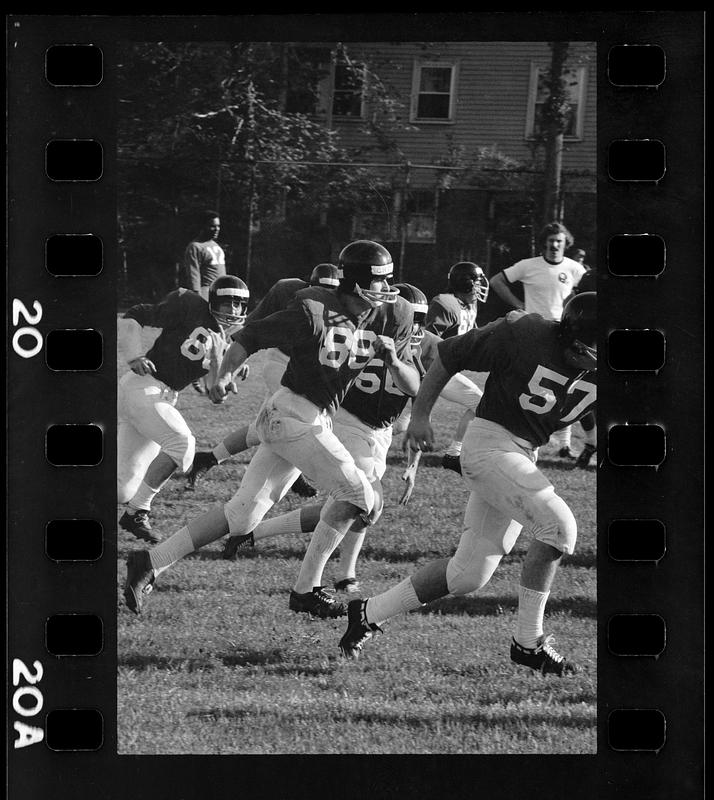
(491, 101)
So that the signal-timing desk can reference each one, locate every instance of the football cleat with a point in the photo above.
(583, 460)
(138, 525)
(566, 452)
(234, 543)
(543, 657)
(317, 603)
(199, 386)
(451, 462)
(202, 462)
(358, 632)
(302, 487)
(348, 585)
(139, 580)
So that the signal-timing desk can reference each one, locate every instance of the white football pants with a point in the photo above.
(148, 424)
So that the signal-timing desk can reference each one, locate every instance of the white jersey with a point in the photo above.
(546, 285)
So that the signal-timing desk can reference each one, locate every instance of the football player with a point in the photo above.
(363, 423)
(333, 335)
(542, 377)
(153, 438)
(451, 314)
(276, 359)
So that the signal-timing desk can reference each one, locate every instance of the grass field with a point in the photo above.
(218, 664)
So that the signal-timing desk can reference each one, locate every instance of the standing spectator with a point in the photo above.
(450, 314)
(548, 280)
(203, 259)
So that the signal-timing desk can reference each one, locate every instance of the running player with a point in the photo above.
(333, 336)
(542, 377)
(153, 438)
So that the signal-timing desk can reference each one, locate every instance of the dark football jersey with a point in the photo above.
(531, 390)
(278, 298)
(184, 342)
(374, 397)
(328, 346)
(448, 316)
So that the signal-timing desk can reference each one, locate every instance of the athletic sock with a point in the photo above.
(397, 600)
(169, 552)
(531, 607)
(322, 545)
(142, 499)
(454, 448)
(220, 453)
(349, 552)
(276, 526)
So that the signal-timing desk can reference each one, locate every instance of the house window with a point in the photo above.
(433, 92)
(319, 80)
(574, 79)
(348, 90)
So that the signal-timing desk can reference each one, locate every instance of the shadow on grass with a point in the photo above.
(380, 552)
(415, 721)
(434, 460)
(242, 658)
(495, 606)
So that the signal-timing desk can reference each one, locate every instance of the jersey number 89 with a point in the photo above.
(344, 344)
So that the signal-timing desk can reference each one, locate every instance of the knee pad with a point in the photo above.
(242, 515)
(464, 578)
(181, 448)
(125, 493)
(562, 532)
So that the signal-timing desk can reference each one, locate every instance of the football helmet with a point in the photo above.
(578, 329)
(365, 268)
(228, 289)
(464, 275)
(420, 305)
(325, 275)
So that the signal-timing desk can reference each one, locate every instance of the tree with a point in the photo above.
(555, 115)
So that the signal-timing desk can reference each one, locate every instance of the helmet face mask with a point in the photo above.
(228, 300)
(578, 331)
(365, 268)
(467, 278)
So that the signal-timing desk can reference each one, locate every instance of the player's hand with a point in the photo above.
(420, 434)
(220, 389)
(409, 476)
(242, 372)
(384, 347)
(142, 366)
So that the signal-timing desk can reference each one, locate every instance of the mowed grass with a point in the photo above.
(219, 664)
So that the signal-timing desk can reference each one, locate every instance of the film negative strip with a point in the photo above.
(64, 284)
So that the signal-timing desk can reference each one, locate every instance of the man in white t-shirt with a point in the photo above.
(548, 280)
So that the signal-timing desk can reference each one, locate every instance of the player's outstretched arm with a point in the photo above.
(232, 360)
(420, 435)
